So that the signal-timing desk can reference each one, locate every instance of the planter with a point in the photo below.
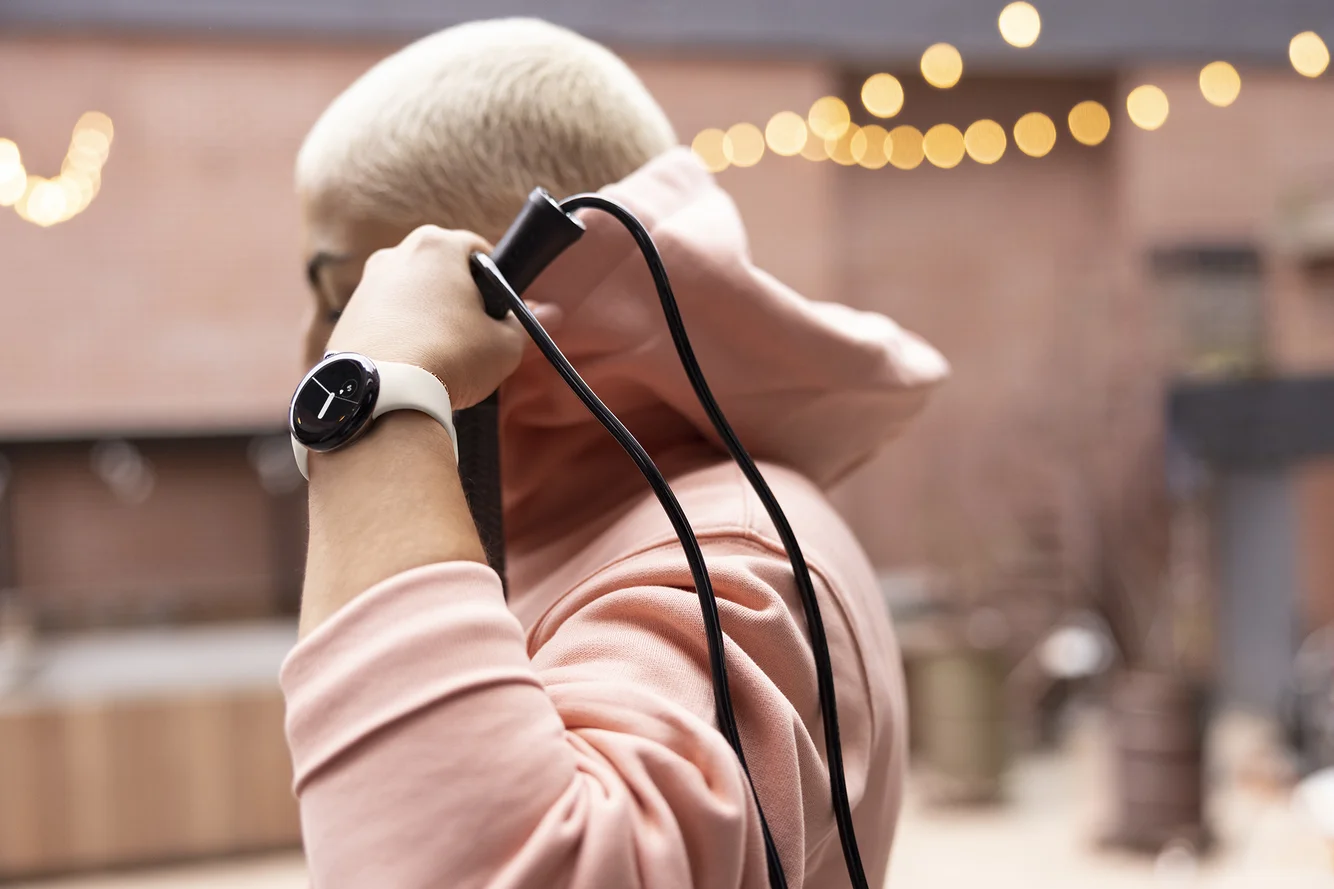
(1157, 723)
(961, 725)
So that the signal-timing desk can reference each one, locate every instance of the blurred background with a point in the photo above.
(1108, 544)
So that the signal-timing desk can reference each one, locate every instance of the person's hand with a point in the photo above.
(417, 304)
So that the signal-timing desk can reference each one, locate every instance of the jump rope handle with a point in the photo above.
(540, 233)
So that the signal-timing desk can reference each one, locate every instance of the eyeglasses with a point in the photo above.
(329, 296)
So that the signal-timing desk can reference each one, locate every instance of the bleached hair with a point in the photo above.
(457, 128)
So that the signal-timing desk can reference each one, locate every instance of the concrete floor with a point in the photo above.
(1043, 837)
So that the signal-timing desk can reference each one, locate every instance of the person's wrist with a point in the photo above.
(402, 438)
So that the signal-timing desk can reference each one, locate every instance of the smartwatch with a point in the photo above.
(337, 400)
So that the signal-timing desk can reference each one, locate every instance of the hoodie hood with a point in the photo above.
(816, 386)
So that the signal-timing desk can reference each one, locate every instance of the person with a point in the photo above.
(442, 736)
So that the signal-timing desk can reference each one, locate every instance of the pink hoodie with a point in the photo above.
(441, 737)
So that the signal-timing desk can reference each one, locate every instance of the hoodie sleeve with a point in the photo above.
(432, 748)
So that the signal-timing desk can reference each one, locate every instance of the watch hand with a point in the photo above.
(316, 381)
(328, 401)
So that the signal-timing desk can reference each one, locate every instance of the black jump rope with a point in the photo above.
(540, 233)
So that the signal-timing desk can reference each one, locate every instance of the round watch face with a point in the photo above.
(334, 401)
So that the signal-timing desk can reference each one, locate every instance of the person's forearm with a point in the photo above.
(387, 503)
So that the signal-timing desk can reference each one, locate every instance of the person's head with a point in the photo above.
(455, 130)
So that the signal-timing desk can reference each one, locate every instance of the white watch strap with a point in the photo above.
(402, 387)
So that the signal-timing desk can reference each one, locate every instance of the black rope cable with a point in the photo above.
(694, 556)
(819, 643)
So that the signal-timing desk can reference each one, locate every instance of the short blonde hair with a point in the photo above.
(457, 128)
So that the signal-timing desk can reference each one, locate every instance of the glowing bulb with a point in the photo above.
(1089, 123)
(942, 66)
(81, 186)
(708, 147)
(1309, 54)
(786, 133)
(1035, 134)
(905, 147)
(90, 147)
(814, 149)
(1147, 106)
(10, 161)
(870, 147)
(943, 145)
(882, 94)
(840, 149)
(829, 118)
(45, 202)
(743, 145)
(1020, 24)
(13, 184)
(1220, 83)
(985, 141)
(98, 122)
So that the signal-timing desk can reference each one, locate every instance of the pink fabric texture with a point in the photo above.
(444, 737)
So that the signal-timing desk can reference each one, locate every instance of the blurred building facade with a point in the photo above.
(156, 336)
(169, 310)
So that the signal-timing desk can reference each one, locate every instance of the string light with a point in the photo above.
(942, 66)
(870, 147)
(943, 145)
(1220, 83)
(1020, 24)
(985, 141)
(905, 147)
(882, 94)
(786, 133)
(1309, 54)
(1035, 134)
(829, 118)
(1089, 123)
(1148, 106)
(46, 202)
(743, 146)
(708, 147)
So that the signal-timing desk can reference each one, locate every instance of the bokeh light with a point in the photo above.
(708, 147)
(1148, 106)
(1309, 54)
(882, 94)
(1035, 134)
(1020, 24)
(942, 66)
(829, 117)
(814, 149)
(45, 202)
(905, 147)
(1089, 123)
(743, 145)
(840, 149)
(97, 122)
(1220, 83)
(48, 201)
(10, 159)
(786, 133)
(943, 145)
(870, 147)
(13, 185)
(13, 178)
(985, 141)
